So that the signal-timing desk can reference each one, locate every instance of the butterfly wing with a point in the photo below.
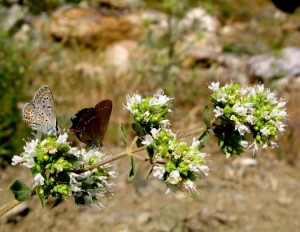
(90, 124)
(85, 125)
(39, 114)
(103, 109)
(44, 101)
(34, 118)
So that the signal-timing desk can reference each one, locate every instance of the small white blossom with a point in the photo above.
(146, 116)
(25, 160)
(205, 170)
(38, 179)
(160, 99)
(29, 148)
(135, 99)
(51, 150)
(271, 97)
(62, 138)
(265, 131)
(244, 143)
(221, 97)
(189, 185)
(171, 189)
(112, 174)
(194, 167)
(214, 86)
(165, 123)
(174, 177)
(242, 129)
(280, 126)
(75, 151)
(59, 168)
(148, 140)
(16, 159)
(273, 144)
(253, 146)
(260, 88)
(202, 155)
(195, 142)
(239, 109)
(158, 172)
(251, 119)
(218, 112)
(92, 153)
(155, 132)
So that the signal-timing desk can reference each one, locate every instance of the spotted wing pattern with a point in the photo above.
(39, 114)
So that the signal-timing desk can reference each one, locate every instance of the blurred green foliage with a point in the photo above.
(14, 63)
(39, 6)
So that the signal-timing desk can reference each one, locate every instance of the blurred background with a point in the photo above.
(87, 51)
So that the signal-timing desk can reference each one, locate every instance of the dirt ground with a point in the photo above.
(234, 197)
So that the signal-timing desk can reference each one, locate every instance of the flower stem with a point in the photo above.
(13, 204)
(128, 152)
(131, 151)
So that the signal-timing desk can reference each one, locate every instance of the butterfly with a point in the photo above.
(90, 124)
(39, 114)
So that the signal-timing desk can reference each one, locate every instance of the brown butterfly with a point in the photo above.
(90, 124)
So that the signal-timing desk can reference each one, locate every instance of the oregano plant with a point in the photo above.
(243, 118)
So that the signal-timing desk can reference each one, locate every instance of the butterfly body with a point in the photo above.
(39, 114)
(90, 124)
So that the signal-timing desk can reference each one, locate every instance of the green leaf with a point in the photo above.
(57, 202)
(123, 134)
(203, 138)
(20, 190)
(132, 171)
(138, 129)
(221, 143)
(139, 142)
(206, 116)
(150, 152)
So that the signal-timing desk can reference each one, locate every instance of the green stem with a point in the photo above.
(13, 204)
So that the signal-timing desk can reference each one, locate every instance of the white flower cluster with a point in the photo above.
(151, 111)
(27, 157)
(252, 110)
(183, 163)
(53, 159)
(88, 187)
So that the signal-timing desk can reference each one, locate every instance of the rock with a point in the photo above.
(233, 68)
(203, 52)
(143, 218)
(157, 22)
(118, 57)
(244, 162)
(288, 83)
(199, 19)
(89, 27)
(269, 66)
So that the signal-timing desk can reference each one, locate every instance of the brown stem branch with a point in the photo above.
(129, 152)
